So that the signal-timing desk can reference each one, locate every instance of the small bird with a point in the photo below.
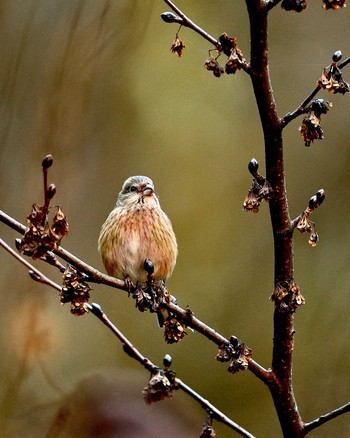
(136, 230)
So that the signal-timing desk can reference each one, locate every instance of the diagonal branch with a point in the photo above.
(301, 109)
(134, 353)
(308, 427)
(184, 315)
(186, 22)
(34, 273)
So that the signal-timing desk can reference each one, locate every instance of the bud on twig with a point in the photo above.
(34, 276)
(316, 200)
(337, 56)
(167, 360)
(51, 191)
(47, 161)
(148, 266)
(169, 17)
(253, 166)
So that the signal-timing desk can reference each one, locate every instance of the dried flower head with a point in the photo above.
(177, 46)
(143, 299)
(266, 191)
(241, 362)
(74, 290)
(251, 202)
(207, 429)
(310, 129)
(259, 191)
(334, 4)
(158, 388)
(235, 61)
(287, 296)
(320, 106)
(304, 224)
(332, 81)
(235, 352)
(174, 331)
(294, 5)
(212, 64)
(41, 236)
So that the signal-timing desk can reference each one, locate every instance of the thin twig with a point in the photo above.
(186, 22)
(302, 107)
(34, 273)
(212, 410)
(184, 315)
(93, 274)
(134, 353)
(308, 427)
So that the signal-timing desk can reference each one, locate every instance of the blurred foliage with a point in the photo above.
(95, 84)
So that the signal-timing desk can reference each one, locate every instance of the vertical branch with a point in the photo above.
(281, 386)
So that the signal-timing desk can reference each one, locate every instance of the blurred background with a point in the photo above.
(94, 84)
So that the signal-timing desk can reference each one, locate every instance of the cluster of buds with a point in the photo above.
(161, 384)
(235, 60)
(75, 291)
(310, 128)
(287, 296)
(207, 429)
(42, 234)
(332, 77)
(235, 352)
(294, 5)
(303, 223)
(259, 191)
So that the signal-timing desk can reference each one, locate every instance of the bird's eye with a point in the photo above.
(133, 189)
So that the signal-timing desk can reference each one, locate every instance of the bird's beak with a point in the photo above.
(147, 190)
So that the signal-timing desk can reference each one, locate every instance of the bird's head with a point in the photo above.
(137, 190)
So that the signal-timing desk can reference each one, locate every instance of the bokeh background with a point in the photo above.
(94, 83)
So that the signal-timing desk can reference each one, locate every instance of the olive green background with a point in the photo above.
(94, 83)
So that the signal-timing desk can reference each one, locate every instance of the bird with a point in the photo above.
(136, 230)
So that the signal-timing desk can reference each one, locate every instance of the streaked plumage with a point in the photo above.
(138, 229)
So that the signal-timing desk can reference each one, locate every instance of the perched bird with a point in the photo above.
(136, 230)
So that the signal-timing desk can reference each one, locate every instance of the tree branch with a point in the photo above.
(34, 273)
(186, 22)
(302, 107)
(134, 353)
(184, 315)
(281, 386)
(308, 427)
